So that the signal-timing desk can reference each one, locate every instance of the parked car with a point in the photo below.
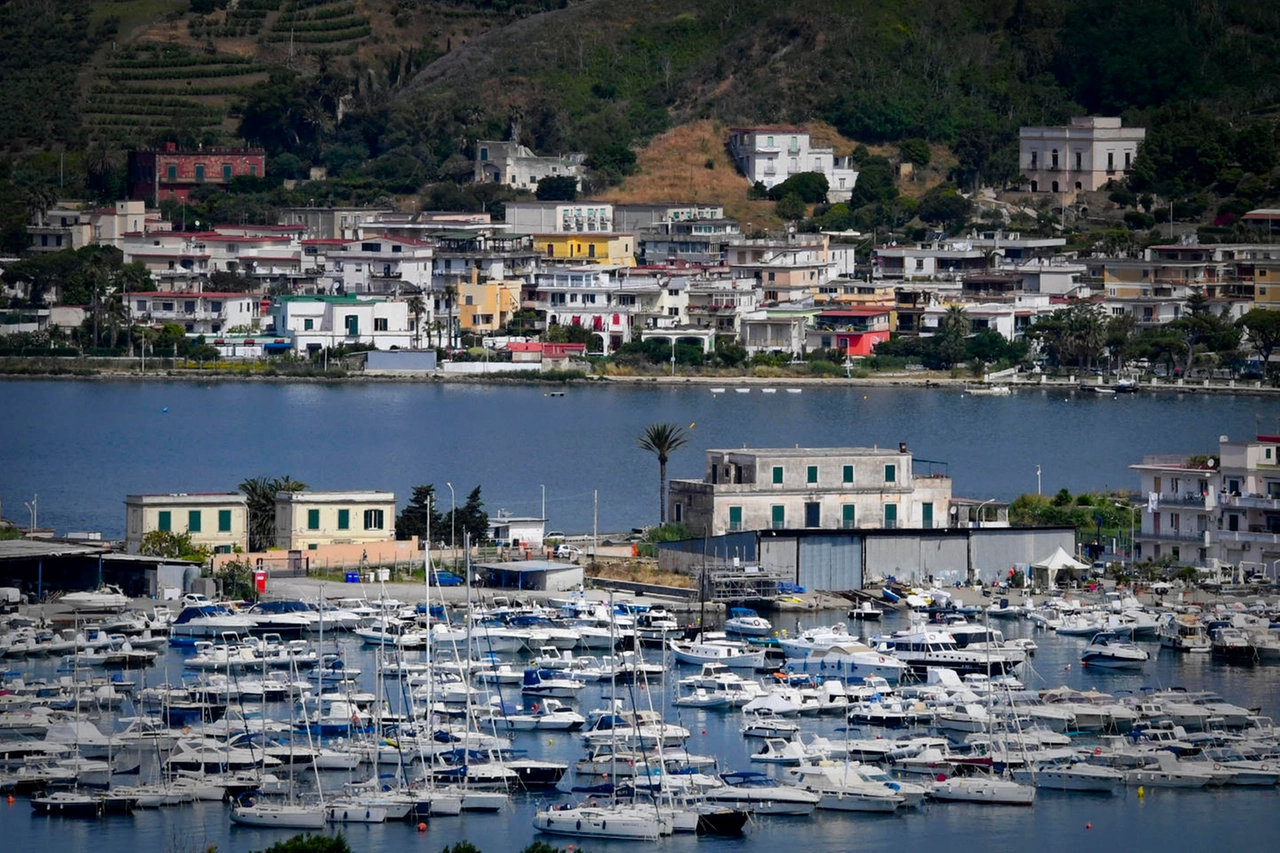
(442, 578)
(568, 552)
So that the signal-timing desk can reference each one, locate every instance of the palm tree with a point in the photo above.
(417, 308)
(260, 494)
(450, 294)
(662, 440)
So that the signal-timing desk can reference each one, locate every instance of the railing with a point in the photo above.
(1260, 536)
(1174, 536)
(1255, 502)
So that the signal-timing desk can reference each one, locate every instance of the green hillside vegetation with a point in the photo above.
(389, 96)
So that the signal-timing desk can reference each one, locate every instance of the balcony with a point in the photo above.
(1253, 502)
(1191, 500)
(1249, 537)
(1197, 537)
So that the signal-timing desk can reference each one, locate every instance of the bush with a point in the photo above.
(914, 151)
(809, 187)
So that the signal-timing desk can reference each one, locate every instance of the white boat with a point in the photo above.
(104, 599)
(921, 648)
(988, 390)
(989, 790)
(701, 697)
(1077, 776)
(1108, 651)
(1183, 632)
(777, 750)
(813, 639)
(841, 789)
(761, 794)
(549, 682)
(620, 821)
(280, 816)
(354, 812)
(865, 610)
(209, 620)
(851, 662)
(709, 651)
(547, 715)
(1168, 772)
(766, 724)
(746, 622)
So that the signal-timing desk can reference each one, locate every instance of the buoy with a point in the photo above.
(1088, 826)
(422, 827)
(551, 740)
(165, 410)
(1067, 668)
(11, 799)
(1141, 792)
(704, 731)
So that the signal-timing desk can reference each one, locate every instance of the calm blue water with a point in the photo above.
(1226, 819)
(82, 446)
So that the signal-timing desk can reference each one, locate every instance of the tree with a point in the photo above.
(304, 843)
(421, 517)
(810, 187)
(790, 207)
(175, 546)
(417, 308)
(662, 440)
(557, 188)
(1262, 329)
(944, 205)
(953, 328)
(468, 518)
(260, 493)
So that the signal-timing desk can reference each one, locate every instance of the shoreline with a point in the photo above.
(1254, 388)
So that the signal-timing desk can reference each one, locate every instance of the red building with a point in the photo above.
(156, 175)
(855, 331)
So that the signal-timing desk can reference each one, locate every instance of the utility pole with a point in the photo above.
(595, 525)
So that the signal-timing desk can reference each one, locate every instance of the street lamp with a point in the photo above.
(31, 508)
(1129, 507)
(978, 512)
(453, 541)
(673, 355)
(1038, 480)
(544, 505)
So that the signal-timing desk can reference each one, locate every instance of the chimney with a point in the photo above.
(902, 447)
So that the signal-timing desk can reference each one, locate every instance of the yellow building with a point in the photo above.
(487, 306)
(613, 249)
(218, 521)
(307, 520)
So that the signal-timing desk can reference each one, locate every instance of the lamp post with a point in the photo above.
(453, 542)
(1129, 507)
(544, 505)
(31, 508)
(673, 355)
(1038, 480)
(978, 512)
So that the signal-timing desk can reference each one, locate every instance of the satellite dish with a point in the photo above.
(1212, 462)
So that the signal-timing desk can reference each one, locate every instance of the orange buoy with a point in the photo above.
(422, 827)
(1088, 826)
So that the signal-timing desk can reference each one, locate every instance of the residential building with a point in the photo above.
(333, 223)
(515, 165)
(197, 313)
(517, 531)
(315, 323)
(854, 331)
(698, 242)
(218, 521)
(308, 520)
(771, 155)
(1078, 157)
(588, 296)
(929, 261)
(168, 173)
(658, 216)
(720, 303)
(1249, 494)
(809, 487)
(382, 265)
(483, 255)
(487, 306)
(600, 248)
(69, 227)
(788, 270)
(776, 330)
(558, 217)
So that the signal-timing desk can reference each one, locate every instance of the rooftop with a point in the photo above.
(790, 452)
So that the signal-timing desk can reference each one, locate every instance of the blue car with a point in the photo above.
(447, 579)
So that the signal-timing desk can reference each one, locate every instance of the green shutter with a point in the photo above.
(847, 519)
(735, 518)
(848, 474)
(890, 515)
(927, 516)
(891, 473)
(224, 521)
(344, 519)
(193, 521)
(779, 517)
(313, 519)
(811, 476)
(166, 522)
(777, 475)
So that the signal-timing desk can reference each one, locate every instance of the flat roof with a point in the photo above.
(336, 495)
(809, 451)
(528, 566)
(25, 549)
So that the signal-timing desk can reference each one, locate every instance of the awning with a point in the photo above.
(277, 346)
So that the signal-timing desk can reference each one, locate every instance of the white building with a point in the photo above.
(197, 313)
(69, 227)
(378, 265)
(771, 155)
(307, 520)
(219, 521)
(517, 166)
(1082, 156)
(558, 217)
(315, 323)
(809, 487)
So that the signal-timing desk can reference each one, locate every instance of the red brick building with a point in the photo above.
(167, 173)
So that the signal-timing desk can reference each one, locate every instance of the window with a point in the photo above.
(379, 324)
(344, 519)
(777, 475)
(253, 170)
(1111, 161)
(891, 473)
(193, 521)
(890, 516)
(484, 154)
(778, 517)
(1054, 158)
(352, 324)
(679, 513)
(200, 173)
(308, 324)
(313, 519)
(812, 514)
(1233, 522)
(811, 475)
(166, 521)
(1034, 156)
(189, 306)
(926, 516)
(1079, 161)
(226, 172)
(142, 305)
(373, 519)
(735, 518)
(848, 520)
(224, 521)
(846, 475)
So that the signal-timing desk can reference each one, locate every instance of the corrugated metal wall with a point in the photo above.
(831, 563)
(778, 554)
(995, 550)
(917, 557)
(689, 554)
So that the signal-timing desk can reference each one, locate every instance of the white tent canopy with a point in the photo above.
(1044, 572)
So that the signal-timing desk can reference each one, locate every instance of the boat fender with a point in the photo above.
(1217, 766)
(579, 825)
(882, 659)
(1266, 767)
(1097, 750)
